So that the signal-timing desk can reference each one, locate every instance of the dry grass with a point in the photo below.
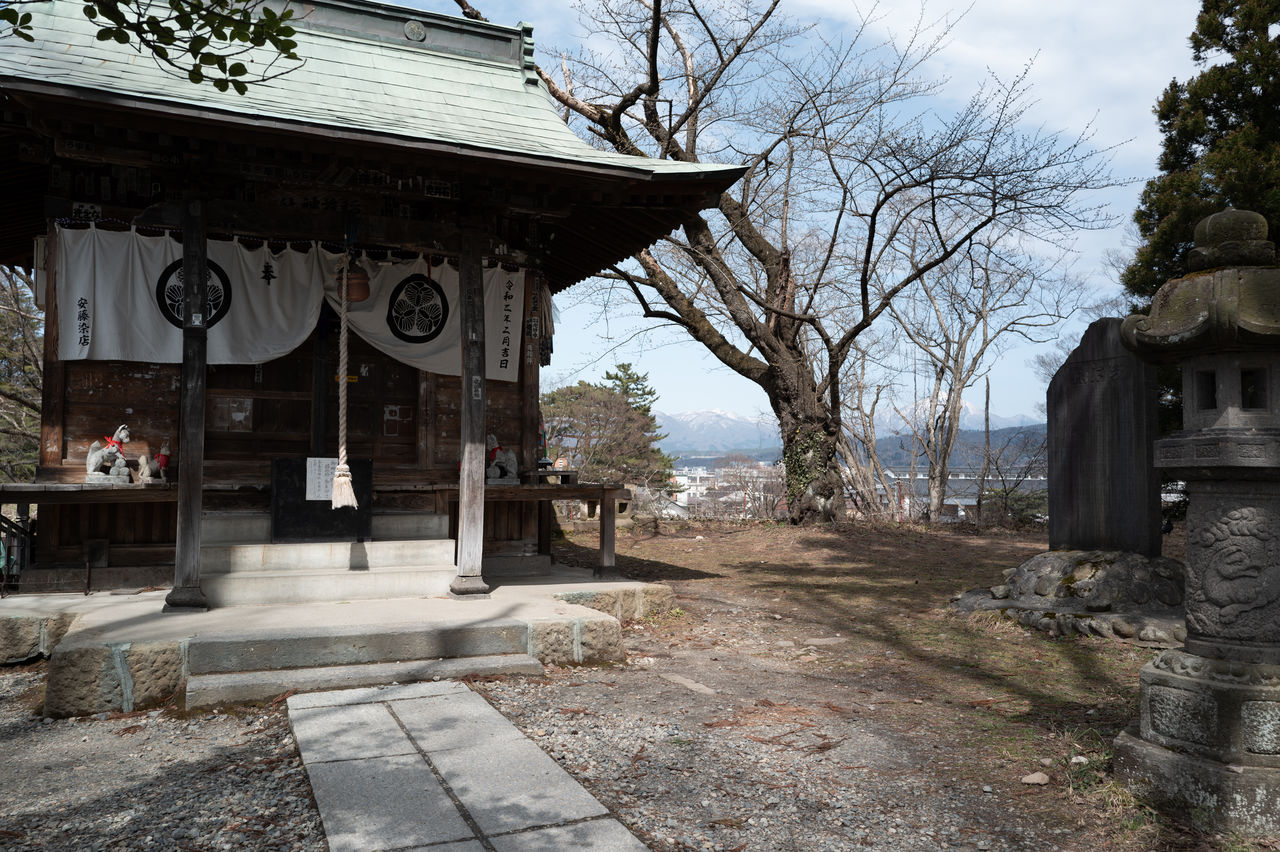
(1000, 700)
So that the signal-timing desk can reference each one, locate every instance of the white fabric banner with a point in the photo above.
(120, 297)
(414, 315)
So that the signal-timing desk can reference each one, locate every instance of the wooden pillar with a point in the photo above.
(186, 594)
(53, 386)
(608, 520)
(469, 583)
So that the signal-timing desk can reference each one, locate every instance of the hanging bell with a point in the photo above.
(357, 283)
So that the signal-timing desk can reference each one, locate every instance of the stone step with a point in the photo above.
(389, 526)
(347, 644)
(231, 527)
(321, 556)
(207, 690)
(303, 584)
(234, 527)
(211, 690)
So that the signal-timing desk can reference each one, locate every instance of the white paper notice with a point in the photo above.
(320, 478)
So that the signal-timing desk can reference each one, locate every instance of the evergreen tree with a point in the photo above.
(605, 436)
(1221, 145)
(634, 386)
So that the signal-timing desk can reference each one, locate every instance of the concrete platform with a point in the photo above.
(432, 765)
(122, 652)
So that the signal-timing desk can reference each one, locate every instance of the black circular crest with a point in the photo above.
(417, 310)
(170, 299)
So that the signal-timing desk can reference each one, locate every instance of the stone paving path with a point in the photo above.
(432, 766)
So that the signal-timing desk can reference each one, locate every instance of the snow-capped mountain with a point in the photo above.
(716, 431)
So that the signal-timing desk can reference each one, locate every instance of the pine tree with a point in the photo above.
(1221, 145)
(634, 386)
(604, 431)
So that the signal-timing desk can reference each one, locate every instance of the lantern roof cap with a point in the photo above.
(1229, 300)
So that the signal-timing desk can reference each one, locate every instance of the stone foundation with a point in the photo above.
(1227, 797)
(1106, 593)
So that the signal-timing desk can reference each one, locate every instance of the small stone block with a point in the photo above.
(19, 639)
(551, 641)
(512, 784)
(156, 670)
(595, 834)
(81, 681)
(348, 733)
(383, 803)
(601, 640)
(439, 724)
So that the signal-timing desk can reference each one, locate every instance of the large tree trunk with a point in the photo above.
(809, 435)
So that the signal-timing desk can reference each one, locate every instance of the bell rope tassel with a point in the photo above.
(344, 494)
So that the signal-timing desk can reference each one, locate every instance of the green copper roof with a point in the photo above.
(370, 69)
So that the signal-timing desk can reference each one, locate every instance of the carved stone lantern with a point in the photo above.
(1208, 736)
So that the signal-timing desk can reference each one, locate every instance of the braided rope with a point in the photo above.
(343, 492)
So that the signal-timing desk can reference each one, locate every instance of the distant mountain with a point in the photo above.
(716, 432)
(895, 450)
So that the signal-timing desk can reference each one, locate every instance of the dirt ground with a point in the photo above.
(855, 620)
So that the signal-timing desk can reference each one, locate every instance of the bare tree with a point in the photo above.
(856, 189)
(755, 489)
(1018, 457)
(976, 305)
(869, 386)
(21, 350)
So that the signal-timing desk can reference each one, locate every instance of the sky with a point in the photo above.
(1099, 63)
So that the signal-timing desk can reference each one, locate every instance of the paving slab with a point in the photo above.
(512, 784)
(468, 766)
(440, 723)
(368, 695)
(349, 733)
(383, 803)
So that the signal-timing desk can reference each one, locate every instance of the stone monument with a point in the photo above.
(1103, 490)
(1208, 734)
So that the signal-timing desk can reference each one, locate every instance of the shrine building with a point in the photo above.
(192, 248)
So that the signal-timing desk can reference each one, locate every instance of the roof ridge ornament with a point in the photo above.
(527, 63)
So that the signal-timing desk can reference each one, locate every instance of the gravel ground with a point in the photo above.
(230, 780)
(748, 759)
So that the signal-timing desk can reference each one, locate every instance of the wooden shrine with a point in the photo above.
(404, 137)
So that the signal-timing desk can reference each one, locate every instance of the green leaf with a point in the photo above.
(220, 85)
(106, 34)
(25, 36)
(90, 12)
(239, 86)
(195, 75)
(121, 37)
(209, 58)
(237, 69)
(9, 16)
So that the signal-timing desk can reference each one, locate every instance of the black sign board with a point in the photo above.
(295, 518)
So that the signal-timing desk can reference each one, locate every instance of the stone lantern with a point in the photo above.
(1208, 736)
